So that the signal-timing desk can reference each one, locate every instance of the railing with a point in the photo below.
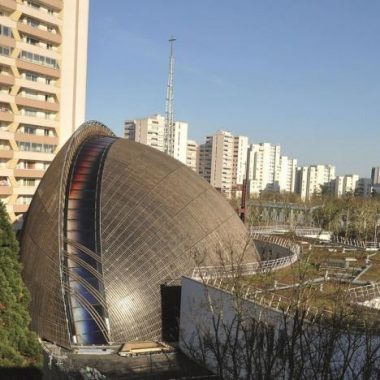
(272, 300)
(364, 293)
(353, 243)
(231, 270)
(285, 228)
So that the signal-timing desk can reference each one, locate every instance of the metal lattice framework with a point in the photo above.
(112, 221)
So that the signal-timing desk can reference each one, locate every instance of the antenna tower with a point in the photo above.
(169, 112)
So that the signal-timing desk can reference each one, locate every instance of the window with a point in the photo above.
(5, 31)
(31, 76)
(31, 41)
(39, 59)
(32, 23)
(5, 50)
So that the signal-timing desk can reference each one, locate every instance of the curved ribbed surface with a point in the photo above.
(157, 220)
(82, 268)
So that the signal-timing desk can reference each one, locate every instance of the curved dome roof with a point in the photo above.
(111, 221)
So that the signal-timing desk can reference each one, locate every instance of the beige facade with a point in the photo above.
(43, 59)
(151, 131)
(239, 167)
(216, 158)
(192, 159)
(315, 179)
(264, 167)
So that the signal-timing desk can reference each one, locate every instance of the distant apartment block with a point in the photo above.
(151, 131)
(314, 179)
(375, 175)
(192, 156)
(264, 167)
(147, 131)
(345, 185)
(239, 164)
(287, 176)
(364, 187)
(43, 58)
(216, 157)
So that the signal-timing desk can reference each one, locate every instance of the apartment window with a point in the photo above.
(4, 181)
(27, 182)
(5, 31)
(4, 107)
(31, 41)
(33, 23)
(32, 77)
(5, 50)
(34, 147)
(32, 4)
(4, 145)
(39, 59)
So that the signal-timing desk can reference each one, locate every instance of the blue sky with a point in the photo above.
(304, 74)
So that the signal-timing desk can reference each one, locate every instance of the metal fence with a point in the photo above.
(233, 270)
(273, 300)
(364, 293)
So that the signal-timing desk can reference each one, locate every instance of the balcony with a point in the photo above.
(55, 4)
(26, 137)
(29, 173)
(6, 115)
(37, 86)
(9, 5)
(6, 135)
(24, 119)
(40, 15)
(36, 68)
(6, 153)
(8, 80)
(20, 208)
(24, 190)
(5, 186)
(39, 104)
(39, 33)
(7, 41)
(30, 155)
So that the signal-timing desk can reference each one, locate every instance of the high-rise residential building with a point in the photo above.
(315, 179)
(301, 181)
(344, 185)
(205, 159)
(43, 59)
(264, 167)
(148, 131)
(151, 131)
(364, 187)
(239, 164)
(338, 185)
(375, 175)
(180, 141)
(216, 161)
(287, 177)
(192, 160)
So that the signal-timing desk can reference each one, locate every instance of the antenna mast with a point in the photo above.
(169, 114)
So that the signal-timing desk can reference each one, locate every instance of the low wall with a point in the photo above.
(215, 331)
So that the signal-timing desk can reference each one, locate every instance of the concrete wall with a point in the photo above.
(208, 319)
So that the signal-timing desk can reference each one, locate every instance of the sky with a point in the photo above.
(304, 74)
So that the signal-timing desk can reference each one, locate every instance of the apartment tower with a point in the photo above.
(43, 58)
(192, 160)
(151, 131)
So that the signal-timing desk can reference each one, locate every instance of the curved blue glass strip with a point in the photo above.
(87, 313)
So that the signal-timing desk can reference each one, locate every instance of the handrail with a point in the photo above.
(247, 269)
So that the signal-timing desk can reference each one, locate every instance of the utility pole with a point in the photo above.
(169, 112)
